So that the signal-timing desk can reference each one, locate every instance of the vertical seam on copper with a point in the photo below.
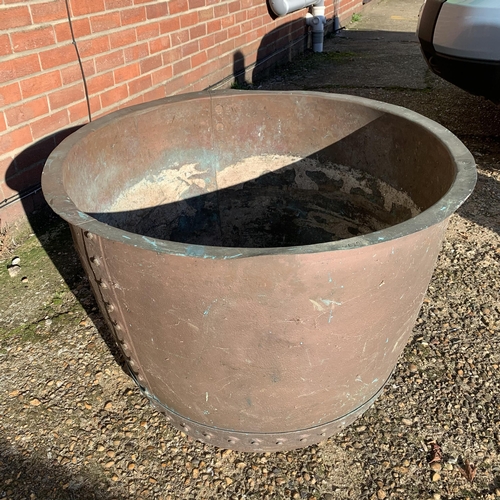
(117, 304)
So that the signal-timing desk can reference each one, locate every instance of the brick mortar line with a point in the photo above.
(32, 121)
(30, 52)
(104, 33)
(40, 72)
(105, 110)
(61, 21)
(51, 112)
(122, 48)
(117, 30)
(37, 51)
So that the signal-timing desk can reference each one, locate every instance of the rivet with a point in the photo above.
(323, 434)
(255, 442)
(303, 440)
(140, 378)
(231, 441)
(126, 348)
(119, 334)
(95, 260)
(88, 235)
(206, 435)
(133, 365)
(279, 443)
(116, 324)
(102, 284)
(110, 307)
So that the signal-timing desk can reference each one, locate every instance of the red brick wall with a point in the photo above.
(131, 51)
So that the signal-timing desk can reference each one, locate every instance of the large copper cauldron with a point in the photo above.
(260, 256)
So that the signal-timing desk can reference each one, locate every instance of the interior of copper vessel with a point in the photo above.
(257, 172)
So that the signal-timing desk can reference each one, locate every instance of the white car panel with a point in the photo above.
(469, 29)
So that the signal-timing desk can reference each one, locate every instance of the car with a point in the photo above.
(460, 40)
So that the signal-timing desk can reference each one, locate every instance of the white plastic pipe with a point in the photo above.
(316, 19)
(283, 7)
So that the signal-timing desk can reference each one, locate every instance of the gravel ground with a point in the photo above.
(74, 425)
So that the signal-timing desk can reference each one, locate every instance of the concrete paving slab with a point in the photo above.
(379, 50)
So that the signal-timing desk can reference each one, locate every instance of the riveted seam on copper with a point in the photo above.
(102, 277)
(258, 442)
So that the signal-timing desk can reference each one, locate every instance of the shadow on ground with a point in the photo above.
(53, 233)
(24, 474)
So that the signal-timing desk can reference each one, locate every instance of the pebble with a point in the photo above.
(16, 261)
(436, 477)
(381, 494)
(407, 421)
(436, 466)
(14, 271)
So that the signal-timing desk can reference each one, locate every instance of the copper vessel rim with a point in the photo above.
(460, 189)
